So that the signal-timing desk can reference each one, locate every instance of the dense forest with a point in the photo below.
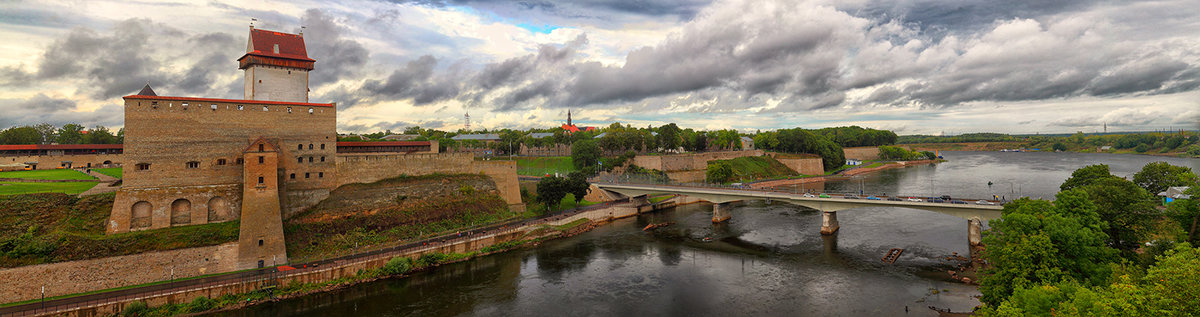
(1148, 142)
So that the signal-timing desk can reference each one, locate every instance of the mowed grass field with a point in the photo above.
(540, 166)
(56, 174)
(70, 188)
(114, 172)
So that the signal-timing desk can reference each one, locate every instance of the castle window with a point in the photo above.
(299, 159)
(310, 146)
(143, 166)
(289, 109)
(276, 48)
(241, 107)
(322, 146)
(320, 174)
(299, 146)
(214, 107)
(265, 108)
(292, 176)
(260, 180)
(322, 159)
(154, 104)
(310, 111)
(260, 242)
(220, 161)
(310, 159)
(260, 160)
(240, 161)
(185, 106)
(305, 175)
(193, 164)
(260, 148)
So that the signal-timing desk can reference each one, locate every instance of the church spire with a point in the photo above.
(568, 116)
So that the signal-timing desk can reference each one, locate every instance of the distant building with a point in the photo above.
(747, 143)
(540, 135)
(1173, 193)
(853, 162)
(486, 137)
(571, 128)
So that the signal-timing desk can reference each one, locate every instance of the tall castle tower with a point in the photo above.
(276, 66)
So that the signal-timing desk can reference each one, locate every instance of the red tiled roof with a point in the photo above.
(61, 147)
(384, 143)
(291, 46)
(249, 102)
(573, 128)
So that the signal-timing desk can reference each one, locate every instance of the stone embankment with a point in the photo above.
(112, 303)
(850, 172)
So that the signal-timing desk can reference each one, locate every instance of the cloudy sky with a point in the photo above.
(912, 66)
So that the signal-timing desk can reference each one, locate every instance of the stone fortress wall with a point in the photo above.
(861, 153)
(45, 162)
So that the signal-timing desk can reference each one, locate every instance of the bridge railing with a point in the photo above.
(662, 181)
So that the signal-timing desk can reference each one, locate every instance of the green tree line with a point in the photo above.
(70, 133)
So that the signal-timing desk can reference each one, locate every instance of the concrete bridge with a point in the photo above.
(974, 213)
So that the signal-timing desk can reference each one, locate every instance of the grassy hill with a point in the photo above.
(758, 167)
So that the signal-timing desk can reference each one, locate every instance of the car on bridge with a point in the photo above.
(914, 199)
(850, 196)
(873, 198)
(895, 199)
(809, 195)
(984, 202)
(958, 202)
(934, 200)
(824, 196)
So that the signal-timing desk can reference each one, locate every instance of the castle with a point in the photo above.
(201, 160)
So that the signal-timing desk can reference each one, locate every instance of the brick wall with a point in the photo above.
(806, 166)
(24, 283)
(861, 153)
(208, 203)
(354, 168)
(688, 162)
(45, 162)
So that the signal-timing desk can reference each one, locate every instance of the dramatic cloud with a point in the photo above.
(56, 111)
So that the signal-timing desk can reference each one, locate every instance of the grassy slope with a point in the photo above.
(539, 166)
(70, 188)
(45, 228)
(114, 172)
(759, 167)
(59, 174)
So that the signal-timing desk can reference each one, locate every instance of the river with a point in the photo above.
(769, 259)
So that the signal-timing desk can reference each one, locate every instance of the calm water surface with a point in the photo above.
(769, 259)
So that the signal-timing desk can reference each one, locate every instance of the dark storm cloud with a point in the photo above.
(417, 81)
(941, 17)
(56, 111)
(337, 56)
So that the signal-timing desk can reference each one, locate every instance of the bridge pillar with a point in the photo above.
(829, 223)
(721, 213)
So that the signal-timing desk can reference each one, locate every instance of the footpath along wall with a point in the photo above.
(347, 267)
(25, 283)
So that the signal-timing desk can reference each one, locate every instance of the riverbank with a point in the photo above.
(258, 286)
(843, 174)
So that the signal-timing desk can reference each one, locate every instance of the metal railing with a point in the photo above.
(656, 181)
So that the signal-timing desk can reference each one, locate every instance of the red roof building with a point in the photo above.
(276, 49)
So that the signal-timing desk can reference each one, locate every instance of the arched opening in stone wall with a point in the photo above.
(139, 216)
(219, 209)
(181, 212)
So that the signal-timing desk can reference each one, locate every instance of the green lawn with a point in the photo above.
(759, 167)
(114, 172)
(56, 174)
(540, 166)
(70, 188)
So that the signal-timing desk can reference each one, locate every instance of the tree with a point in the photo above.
(99, 135)
(48, 131)
(668, 137)
(551, 190)
(1186, 212)
(70, 134)
(1059, 146)
(1126, 208)
(20, 135)
(578, 186)
(1155, 177)
(585, 154)
(1085, 175)
(1036, 242)
(718, 172)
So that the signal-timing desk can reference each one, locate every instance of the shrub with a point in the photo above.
(466, 190)
(1141, 148)
(429, 259)
(397, 265)
(201, 304)
(137, 308)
